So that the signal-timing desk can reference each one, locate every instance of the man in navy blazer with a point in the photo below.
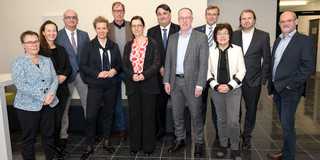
(163, 13)
(212, 15)
(73, 40)
(255, 45)
(293, 62)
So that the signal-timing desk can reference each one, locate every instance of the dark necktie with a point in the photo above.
(105, 61)
(164, 39)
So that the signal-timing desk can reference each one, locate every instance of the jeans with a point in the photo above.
(118, 115)
(286, 103)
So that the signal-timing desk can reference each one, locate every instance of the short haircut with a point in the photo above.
(137, 18)
(213, 7)
(28, 32)
(246, 11)
(100, 19)
(294, 14)
(64, 13)
(118, 3)
(220, 27)
(164, 7)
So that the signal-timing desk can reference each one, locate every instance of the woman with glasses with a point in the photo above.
(226, 71)
(100, 61)
(58, 55)
(36, 81)
(141, 63)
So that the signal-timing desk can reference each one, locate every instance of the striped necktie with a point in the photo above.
(164, 39)
(210, 37)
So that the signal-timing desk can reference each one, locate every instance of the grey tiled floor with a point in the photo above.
(267, 135)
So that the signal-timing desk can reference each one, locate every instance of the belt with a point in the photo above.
(180, 75)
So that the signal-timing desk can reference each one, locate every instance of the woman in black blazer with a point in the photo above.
(100, 61)
(141, 63)
(60, 60)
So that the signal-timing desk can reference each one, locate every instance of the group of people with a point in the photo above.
(174, 61)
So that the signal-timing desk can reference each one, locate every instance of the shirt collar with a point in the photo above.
(290, 35)
(119, 26)
(249, 33)
(189, 33)
(69, 32)
(213, 26)
(230, 45)
(167, 27)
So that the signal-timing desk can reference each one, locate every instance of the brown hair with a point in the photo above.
(118, 3)
(28, 32)
(43, 42)
(213, 7)
(221, 26)
(100, 19)
(137, 18)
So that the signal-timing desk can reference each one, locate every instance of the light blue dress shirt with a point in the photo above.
(181, 50)
(280, 49)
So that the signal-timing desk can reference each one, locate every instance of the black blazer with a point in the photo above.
(155, 32)
(296, 64)
(201, 29)
(259, 48)
(90, 62)
(150, 69)
(61, 65)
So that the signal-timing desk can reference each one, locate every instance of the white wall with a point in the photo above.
(266, 12)
(18, 16)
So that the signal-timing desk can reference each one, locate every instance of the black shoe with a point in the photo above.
(63, 143)
(236, 155)
(133, 153)
(222, 152)
(198, 150)
(61, 152)
(147, 153)
(159, 135)
(98, 139)
(246, 143)
(86, 154)
(109, 148)
(177, 146)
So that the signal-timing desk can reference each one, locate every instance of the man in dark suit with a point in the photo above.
(293, 62)
(255, 45)
(212, 15)
(161, 34)
(73, 40)
(185, 76)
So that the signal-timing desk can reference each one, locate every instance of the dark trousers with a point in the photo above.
(286, 103)
(204, 108)
(142, 120)
(58, 112)
(96, 95)
(251, 97)
(31, 122)
(161, 107)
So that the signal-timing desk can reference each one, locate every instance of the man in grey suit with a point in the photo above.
(72, 39)
(255, 45)
(185, 75)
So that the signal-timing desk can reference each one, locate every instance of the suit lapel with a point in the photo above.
(188, 47)
(289, 46)
(66, 39)
(255, 38)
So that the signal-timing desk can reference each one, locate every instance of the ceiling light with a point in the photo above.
(292, 3)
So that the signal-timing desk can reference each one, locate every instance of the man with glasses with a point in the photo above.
(120, 32)
(185, 77)
(255, 45)
(73, 40)
(212, 15)
(293, 62)
(161, 33)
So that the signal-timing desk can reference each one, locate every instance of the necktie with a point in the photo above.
(74, 45)
(105, 61)
(210, 37)
(164, 39)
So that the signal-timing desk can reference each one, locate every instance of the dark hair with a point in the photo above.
(100, 19)
(117, 4)
(221, 26)
(247, 11)
(213, 7)
(164, 7)
(137, 18)
(43, 42)
(28, 32)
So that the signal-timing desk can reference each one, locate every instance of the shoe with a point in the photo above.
(222, 152)
(147, 153)
(246, 143)
(98, 139)
(123, 135)
(109, 148)
(275, 155)
(177, 146)
(236, 155)
(86, 154)
(133, 153)
(198, 150)
(159, 135)
(63, 143)
(61, 152)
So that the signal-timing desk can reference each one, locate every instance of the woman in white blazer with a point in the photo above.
(226, 70)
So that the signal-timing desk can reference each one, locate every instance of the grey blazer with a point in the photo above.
(195, 63)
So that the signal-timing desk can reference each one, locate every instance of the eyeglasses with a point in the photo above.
(68, 18)
(137, 26)
(224, 34)
(184, 18)
(118, 11)
(213, 14)
(287, 21)
(30, 43)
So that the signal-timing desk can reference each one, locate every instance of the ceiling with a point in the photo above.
(284, 8)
